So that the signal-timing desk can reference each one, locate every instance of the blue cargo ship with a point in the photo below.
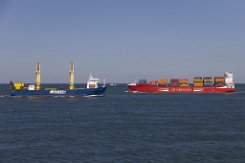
(92, 89)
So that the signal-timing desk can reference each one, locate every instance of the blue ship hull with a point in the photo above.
(76, 92)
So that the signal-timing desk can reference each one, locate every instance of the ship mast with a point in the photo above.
(38, 76)
(71, 83)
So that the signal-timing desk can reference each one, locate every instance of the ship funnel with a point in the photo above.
(38, 76)
(71, 83)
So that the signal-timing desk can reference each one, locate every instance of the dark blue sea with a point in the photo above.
(123, 127)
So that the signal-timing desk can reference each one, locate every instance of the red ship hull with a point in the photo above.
(147, 88)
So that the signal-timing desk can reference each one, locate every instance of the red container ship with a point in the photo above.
(200, 85)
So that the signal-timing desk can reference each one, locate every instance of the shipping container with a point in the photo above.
(183, 80)
(207, 84)
(174, 81)
(197, 77)
(184, 85)
(17, 88)
(219, 84)
(173, 84)
(19, 84)
(198, 80)
(219, 77)
(162, 85)
(163, 81)
(207, 80)
(198, 84)
(219, 80)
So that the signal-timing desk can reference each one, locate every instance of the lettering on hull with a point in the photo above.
(57, 92)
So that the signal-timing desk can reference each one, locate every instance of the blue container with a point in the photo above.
(207, 84)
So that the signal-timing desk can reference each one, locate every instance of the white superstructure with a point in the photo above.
(229, 80)
(92, 82)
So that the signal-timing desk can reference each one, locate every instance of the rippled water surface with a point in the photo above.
(123, 127)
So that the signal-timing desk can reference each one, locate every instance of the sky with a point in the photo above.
(121, 40)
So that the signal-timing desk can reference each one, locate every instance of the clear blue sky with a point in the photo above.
(121, 40)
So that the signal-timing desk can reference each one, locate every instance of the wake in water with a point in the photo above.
(235, 93)
(3, 96)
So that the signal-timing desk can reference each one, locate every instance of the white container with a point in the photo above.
(31, 87)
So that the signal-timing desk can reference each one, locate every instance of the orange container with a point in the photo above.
(184, 85)
(197, 80)
(198, 84)
(207, 80)
(163, 81)
(183, 80)
(219, 79)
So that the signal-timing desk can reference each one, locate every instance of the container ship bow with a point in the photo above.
(223, 84)
(92, 89)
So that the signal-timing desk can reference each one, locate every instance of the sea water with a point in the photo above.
(123, 127)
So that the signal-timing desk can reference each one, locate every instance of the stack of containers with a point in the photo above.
(19, 86)
(183, 83)
(197, 82)
(174, 82)
(207, 82)
(163, 82)
(219, 81)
